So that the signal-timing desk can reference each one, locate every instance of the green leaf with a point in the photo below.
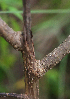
(16, 14)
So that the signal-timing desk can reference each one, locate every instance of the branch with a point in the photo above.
(27, 21)
(19, 96)
(27, 27)
(12, 37)
(53, 58)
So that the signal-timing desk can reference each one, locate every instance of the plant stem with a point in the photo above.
(31, 83)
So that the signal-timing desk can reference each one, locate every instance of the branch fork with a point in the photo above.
(33, 69)
(36, 68)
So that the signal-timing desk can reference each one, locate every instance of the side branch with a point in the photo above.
(12, 37)
(53, 58)
(14, 95)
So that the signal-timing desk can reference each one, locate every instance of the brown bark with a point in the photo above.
(12, 37)
(34, 69)
(31, 83)
(19, 96)
(16, 39)
(54, 57)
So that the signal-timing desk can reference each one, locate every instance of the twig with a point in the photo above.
(54, 57)
(12, 37)
(19, 96)
(27, 20)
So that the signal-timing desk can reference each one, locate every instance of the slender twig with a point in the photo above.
(27, 21)
(19, 96)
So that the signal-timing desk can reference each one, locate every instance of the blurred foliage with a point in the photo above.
(50, 28)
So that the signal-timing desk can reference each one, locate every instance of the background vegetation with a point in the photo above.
(49, 28)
